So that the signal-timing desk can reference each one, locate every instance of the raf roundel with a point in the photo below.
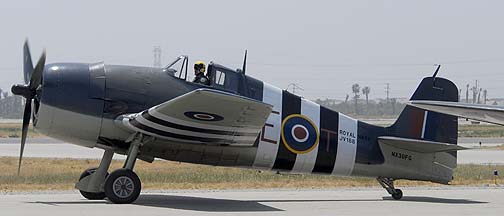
(202, 116)
(299, 133)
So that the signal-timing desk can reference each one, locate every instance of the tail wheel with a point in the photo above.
(397, 195)
(91, 195)
(122, 186)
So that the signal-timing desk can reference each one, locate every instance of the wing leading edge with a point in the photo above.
(203, 116)
(486, 113)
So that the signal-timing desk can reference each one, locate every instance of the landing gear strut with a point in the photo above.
(122, 185)
(388, 184)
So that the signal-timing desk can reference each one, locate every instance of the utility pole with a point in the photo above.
(157, 56)
(467, 93)
(474, 90)
(387, 89)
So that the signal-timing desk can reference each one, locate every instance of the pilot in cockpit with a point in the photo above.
(199, 73)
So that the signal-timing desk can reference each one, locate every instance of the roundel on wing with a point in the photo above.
(299, 133)
(203, 116)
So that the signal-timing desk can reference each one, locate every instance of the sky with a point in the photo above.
(323, 46)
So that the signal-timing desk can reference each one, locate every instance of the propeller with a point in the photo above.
(33, 79)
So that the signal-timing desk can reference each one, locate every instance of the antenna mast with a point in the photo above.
(244, 62)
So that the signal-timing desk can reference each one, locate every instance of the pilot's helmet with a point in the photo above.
(199, 66)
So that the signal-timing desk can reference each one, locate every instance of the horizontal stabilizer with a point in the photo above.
(421, 146)
(486, 113)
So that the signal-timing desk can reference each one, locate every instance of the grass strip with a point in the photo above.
(61, 174)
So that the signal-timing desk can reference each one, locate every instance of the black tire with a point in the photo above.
(398, 194)
(91, 195)
(122, 186)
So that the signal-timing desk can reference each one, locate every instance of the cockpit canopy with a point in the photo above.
(221, 77)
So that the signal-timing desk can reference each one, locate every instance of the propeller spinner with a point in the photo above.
(33, 79)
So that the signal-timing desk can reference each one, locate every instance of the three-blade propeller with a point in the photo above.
(33, 79)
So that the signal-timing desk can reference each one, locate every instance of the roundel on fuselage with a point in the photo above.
(299, 134)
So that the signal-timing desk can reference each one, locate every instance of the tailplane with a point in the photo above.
(421, 143)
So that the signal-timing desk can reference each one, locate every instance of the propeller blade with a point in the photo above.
(27, 63)
(33, 79)
(36, 77)
(24, 131)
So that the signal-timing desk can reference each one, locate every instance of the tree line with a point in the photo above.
(364, 107)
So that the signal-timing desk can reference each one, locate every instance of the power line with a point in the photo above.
(449, 62)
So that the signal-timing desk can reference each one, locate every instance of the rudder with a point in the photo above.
(419, 124)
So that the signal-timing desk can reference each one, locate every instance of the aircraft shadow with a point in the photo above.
(182, 203)
(435, 200)
(205, 204)
(229, 205)
(202, 204)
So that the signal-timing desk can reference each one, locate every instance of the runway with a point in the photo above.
(50, 148)
(369, 201)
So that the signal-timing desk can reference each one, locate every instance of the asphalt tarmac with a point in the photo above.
(367, 201)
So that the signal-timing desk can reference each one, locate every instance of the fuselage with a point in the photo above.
(80, 104)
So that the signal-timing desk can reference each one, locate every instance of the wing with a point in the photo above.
(203, 116)
(486, 113)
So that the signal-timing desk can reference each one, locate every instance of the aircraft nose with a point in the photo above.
(66, 86)
(68, 107)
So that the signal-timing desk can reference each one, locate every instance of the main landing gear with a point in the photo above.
(120, 186)
(388, 184)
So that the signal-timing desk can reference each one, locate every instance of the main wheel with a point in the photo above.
(91, 195)
(122, 186)
(397, 195)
